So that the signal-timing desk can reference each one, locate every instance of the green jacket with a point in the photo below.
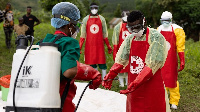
(69, 49)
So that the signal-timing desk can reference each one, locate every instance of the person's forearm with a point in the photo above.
(37, 23)
(70, 73)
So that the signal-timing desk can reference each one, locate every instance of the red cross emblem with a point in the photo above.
(134, 64)
(94, 28)
(125, 35)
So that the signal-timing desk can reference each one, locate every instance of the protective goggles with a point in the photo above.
(76, 24)
(135, 28)
(167, 20)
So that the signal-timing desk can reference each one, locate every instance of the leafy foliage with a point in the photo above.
(48, 5)
(185, 13)
(3, 4)
(21, 5)
(88, 2)
(150, 10)
(124, 4)
(118, 11)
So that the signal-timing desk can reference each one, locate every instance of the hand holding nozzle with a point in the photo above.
(115, 69)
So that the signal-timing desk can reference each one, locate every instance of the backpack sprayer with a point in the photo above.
(34, 85)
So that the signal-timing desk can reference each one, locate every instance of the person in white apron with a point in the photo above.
(120, 32)
(94, 31)
(175, 37)
(145, 51)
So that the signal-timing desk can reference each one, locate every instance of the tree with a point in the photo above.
(87, 6)
(185, 13)
(3, 4)
(118, 11)
(151, 10)
(48, 5)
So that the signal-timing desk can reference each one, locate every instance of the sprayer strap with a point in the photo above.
(58, 37)
(65, 92)
(41, 40)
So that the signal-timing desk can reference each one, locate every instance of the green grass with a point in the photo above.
(189, 78)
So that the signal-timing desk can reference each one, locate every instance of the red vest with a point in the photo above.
(169, 70)
(94, 45)
(149, 97)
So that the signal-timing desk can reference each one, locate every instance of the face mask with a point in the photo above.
(124, 18)
(166, 24)
(74, 35)
(139, 34)
(94, 11)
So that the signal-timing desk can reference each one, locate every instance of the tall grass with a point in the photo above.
(189, 78)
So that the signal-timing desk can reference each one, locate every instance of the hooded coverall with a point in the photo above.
(175, 36)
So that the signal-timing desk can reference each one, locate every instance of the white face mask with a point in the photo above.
(166, 24)
(139, 34)
(94, 11)
(124, 18)
(74, 35)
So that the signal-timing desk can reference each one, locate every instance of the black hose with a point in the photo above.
(19, 72)
(82, 95)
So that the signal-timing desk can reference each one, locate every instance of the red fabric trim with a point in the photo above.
(60, 32)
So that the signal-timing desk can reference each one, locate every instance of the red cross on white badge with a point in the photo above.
(136, 64)
(94, 28)
(125, 34)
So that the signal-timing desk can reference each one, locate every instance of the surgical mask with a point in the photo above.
(139, 34)
(124, 18)
(74, 35)
(94, 11)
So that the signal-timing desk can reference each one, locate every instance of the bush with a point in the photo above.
(42, 15)
(192, 58)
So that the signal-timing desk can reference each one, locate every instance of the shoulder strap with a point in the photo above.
(57, 37)
(41, 41)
